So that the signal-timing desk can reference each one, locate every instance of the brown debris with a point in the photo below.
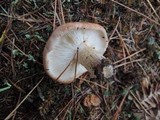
(91, 100)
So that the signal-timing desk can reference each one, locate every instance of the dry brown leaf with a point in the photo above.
(91, 100)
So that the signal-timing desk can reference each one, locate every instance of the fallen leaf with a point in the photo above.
(91, 100)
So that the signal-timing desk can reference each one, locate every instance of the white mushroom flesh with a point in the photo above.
(91, 45)
(89, 57)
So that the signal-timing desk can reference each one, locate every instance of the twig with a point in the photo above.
(19, 80)
(17, 48)
(114, 29)
(82, 94)
(25, 19)
(120, 107)
(139, 102)
(55, 12)
(120, 36)
(11, 114)
(136, 12)
(94, 83)
(31, 13)
(123, 48)
(12, 63)
(117, 66)
(142, 69)
(17, 87)
(75, 72)
(153, 9)
(55, 15)
(17, 104)
(130, 56)
(3, 36)
(76, 110)
(62, 14)
(65, 68)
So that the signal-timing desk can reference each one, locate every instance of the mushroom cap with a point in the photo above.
(61, 48)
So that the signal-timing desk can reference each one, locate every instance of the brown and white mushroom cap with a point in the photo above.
(68, 41)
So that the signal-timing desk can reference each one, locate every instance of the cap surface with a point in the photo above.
(61, 48)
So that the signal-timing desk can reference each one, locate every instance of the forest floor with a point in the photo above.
(132, 93)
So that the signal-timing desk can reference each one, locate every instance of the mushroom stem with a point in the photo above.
(89, 57)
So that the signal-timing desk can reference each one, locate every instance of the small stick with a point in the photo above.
(120, 36)
(123, 48)
(139, 103)
(60, 3)
(55, 15)
(65, 69)
(114, 29)
(136, 12)
(72, 99)
(17, 104)
(76, 64)
(12, 63)
(94, 83)
(130, 56)
(73, 92)
(55, 11)
(4, 33)
(11, 114)
(17, 47)
(120, 107)
(117, 66)
(153, 9)
(16, 86)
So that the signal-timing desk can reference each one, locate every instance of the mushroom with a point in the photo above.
(73, 49)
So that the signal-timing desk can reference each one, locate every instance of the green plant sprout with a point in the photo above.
(7, 86)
